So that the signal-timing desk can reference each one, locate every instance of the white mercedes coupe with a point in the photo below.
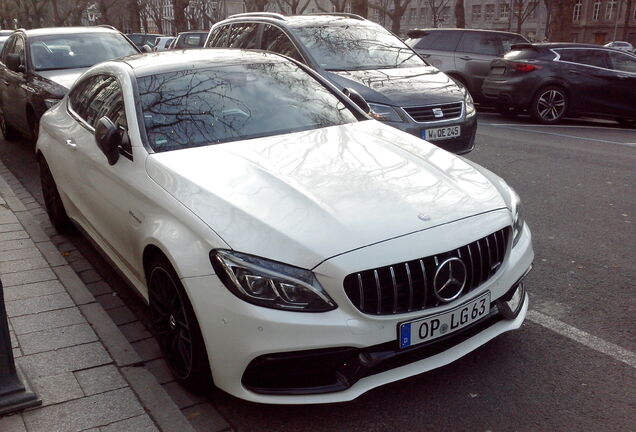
(291, 249)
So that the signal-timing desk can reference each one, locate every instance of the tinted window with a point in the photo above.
(623, 62)
(244, 35)
(77, 50)
(3, 40)
(588, 57)
(219, 36)
(82, 94)
(197, 107)
(192, 40)
(439, 40)
(17, 48)
(479, 43)
(356, 47)
(507, 41)
(276, 41)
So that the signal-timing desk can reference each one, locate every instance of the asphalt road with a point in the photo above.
(572, 366)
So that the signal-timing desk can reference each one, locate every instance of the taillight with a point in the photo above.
(524, 67)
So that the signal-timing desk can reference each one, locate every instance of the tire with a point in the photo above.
(176, 328)
(9, 133)
(628, 123)
(52, 200)
(549, 105)
(34, 126)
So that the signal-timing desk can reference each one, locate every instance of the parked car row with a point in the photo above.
(157, 42)
(292, 245)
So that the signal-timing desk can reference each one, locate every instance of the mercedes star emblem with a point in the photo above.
(450, 279)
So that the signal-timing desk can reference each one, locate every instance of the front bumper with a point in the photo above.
(242, 339)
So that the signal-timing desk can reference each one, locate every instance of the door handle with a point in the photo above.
(574, 71)
(466, 58)
(71, 144)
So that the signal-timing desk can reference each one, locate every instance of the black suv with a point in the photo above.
(362, 58)
(37, 67)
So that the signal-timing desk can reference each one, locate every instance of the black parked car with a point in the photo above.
(363, 59)
(141, 39)
(37, 67)
(558, 79)
(189, 40)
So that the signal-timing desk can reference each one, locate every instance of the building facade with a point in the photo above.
(602, 21)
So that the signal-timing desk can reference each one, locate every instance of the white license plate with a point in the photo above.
(430, 328)
(441, 133)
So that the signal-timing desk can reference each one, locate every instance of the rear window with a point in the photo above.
(522, 54)
(436, 40)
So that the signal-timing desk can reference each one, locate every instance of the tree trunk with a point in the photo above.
(460, 14)
(560, 19)
(360, 7)
(628, 15)
(134, 16)
(180, 20)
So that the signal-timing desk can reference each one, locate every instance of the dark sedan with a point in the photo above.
(555, 80)
(38, 66)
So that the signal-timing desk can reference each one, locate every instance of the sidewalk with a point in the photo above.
(78, 361)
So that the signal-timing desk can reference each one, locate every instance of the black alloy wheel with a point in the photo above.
(8, 132)
(52, 200)
(549, 105)
(175, 327)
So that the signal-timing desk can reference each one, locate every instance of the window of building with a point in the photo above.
(413, 15)
(489, 15)
(534, 7)
(610, 10)
(476, 13)
(504, 11)
(422, 15)
(576, 13)
(347, 8)
(445, 16)
(596, 11)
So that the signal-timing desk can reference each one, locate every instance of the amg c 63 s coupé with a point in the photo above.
(291, 249)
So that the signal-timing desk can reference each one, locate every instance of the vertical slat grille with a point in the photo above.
(404, 287)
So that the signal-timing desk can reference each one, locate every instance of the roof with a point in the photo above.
(303, 20)
(67, 30)
(416, 31)
(168, 61)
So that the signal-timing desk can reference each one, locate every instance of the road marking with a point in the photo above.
(590, 341)
(565, 136)
(618, 129)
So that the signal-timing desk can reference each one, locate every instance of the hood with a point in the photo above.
(63, 77)
(401, 86)
(304, 197)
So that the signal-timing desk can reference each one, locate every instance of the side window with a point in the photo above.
(245, 35)
(623, 62)
(218, 38)
(479, 43)
(439, 40)
(17, 48)
(587, 57)
(78, 97)
(277, 41)
(8, 46)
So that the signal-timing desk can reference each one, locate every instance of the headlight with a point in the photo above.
(470, 104)
(384, 113)
(517, 217)
(270, 284)
(50, 102)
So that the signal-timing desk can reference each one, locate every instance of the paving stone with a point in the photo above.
(65, 360)
(32, 226)
(121, 315)
(37, 289)
(38, 304)
(141, 423)
(58, 239)
(205, 418)
(160, 370)
(157, 402)
(110, 301)
(10, 227)
(50, 253)
(27, 276)
(88, 412)
(81, 265)
(89, 276)
(182, 397)
(17, 353)
(7, 217)
(74, 285)
(13, 235)
(16, 244)
(47, 320)
(135, 331)
(100, 379)
(31, 205)
(12, 423)
(98, 288)
(57, 388)
(14, 340)
(19, 254)
(23, 264)
(73, 256)
(61, 337)
(148, 349)
(66, 246)
(120, 349)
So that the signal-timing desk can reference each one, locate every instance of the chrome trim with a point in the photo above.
(424, 278)
(361, 289)
(408, 275)
(378, 289)
(440, 121)
(395, 291)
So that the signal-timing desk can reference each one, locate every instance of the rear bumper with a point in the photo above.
(509, 92)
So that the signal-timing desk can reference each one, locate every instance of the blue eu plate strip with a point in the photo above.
(405, 335)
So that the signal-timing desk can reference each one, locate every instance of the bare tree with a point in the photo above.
(180, 20)
(460, 14)
(438, 7)
(560, 25)
(8, 12)
(522, 10)
(628, 13)
(256, 5)
(360, 7)
(338, 6)
(68, 13)
(296, 6)
(394, 9)
(154, 10)
(212, 15)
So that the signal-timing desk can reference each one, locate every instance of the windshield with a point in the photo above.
(190, 108)
(347, 47)
(80, 50)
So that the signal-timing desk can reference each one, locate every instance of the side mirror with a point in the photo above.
(145, 49)
(108, 138)
(14, 64)
(357, 99)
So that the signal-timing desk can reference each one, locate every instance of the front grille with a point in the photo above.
(408, 286)
(426, 113)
